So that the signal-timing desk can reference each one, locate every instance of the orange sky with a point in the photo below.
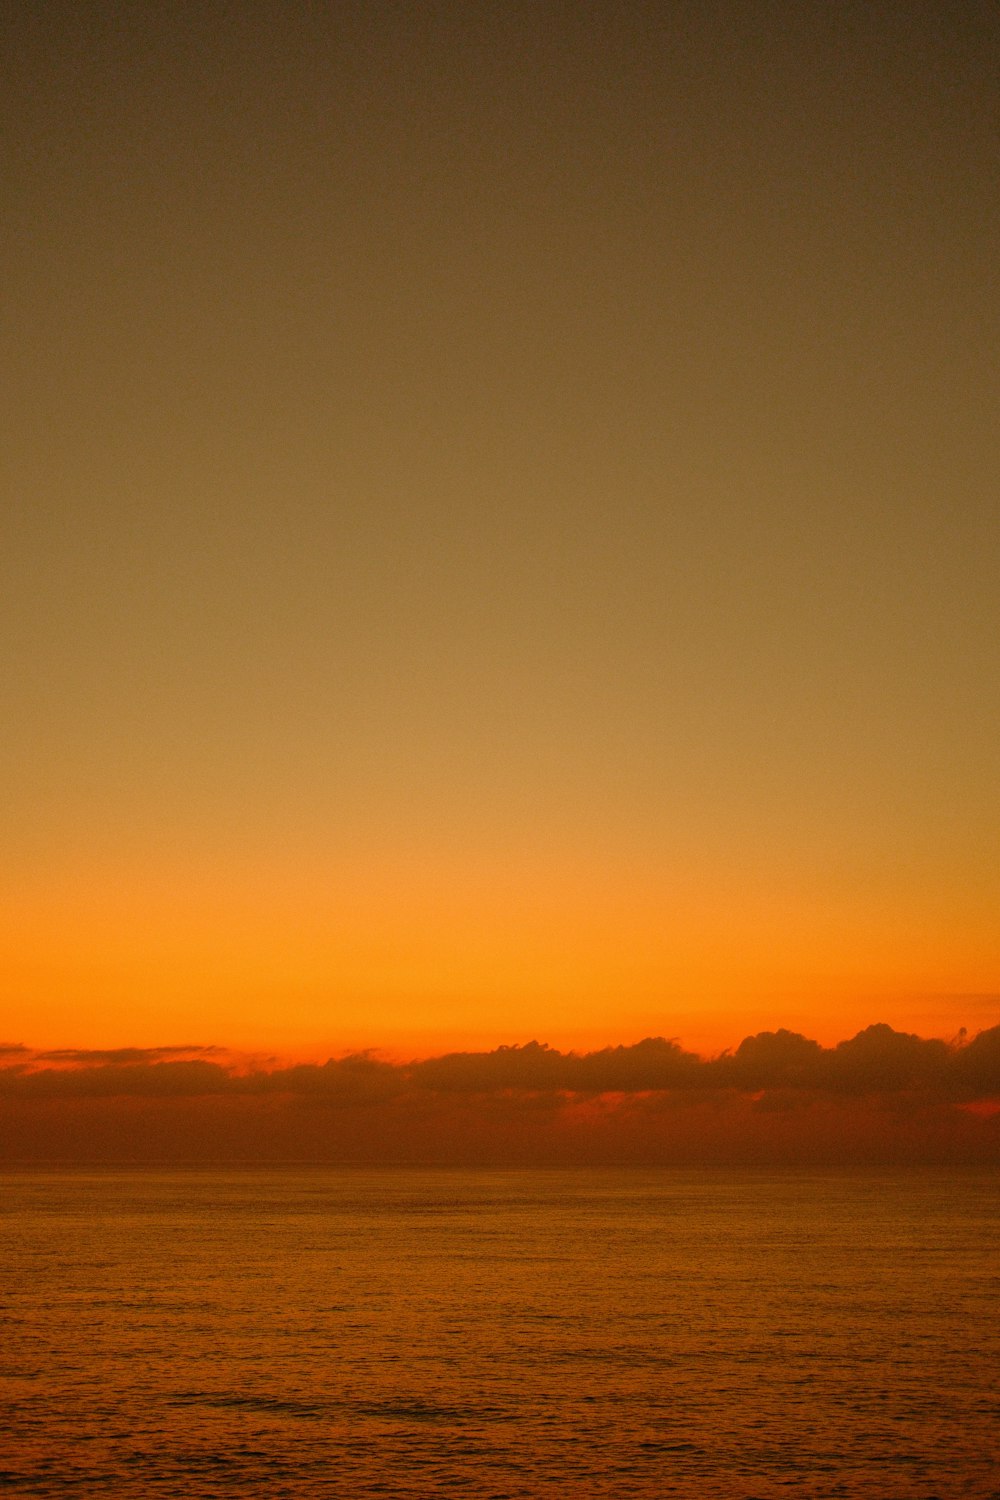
(428, 955)
(504, 538)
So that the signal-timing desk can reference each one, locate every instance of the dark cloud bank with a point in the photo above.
(882, 1097)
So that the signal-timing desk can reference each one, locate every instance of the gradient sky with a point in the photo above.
(503, 536)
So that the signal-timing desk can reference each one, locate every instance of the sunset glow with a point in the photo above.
(504, 539)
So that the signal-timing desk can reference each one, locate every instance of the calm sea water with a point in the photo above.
(499, 1334)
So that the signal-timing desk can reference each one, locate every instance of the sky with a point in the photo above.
(502, 539)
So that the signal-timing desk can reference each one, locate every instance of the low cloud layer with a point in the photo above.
(118, 1056)
(878, 1060)
(883, 1095)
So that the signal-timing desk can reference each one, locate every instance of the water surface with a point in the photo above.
(500, 1334)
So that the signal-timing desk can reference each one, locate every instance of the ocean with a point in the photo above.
(500, 1334)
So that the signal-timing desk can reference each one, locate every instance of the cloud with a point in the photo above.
(109, 1080)
(883, 1095)
(654, 1063)
(878, 1060)
(534, 1066)
(976, 1066)
(773, 1059)
(123, 1055)
(356, 1079)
